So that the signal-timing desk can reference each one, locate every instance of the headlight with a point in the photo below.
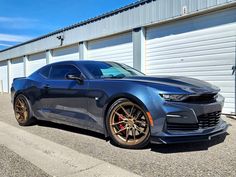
(170, 97)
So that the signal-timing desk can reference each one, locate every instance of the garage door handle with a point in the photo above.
(233, 68)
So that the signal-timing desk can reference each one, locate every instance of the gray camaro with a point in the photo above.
(120, 102)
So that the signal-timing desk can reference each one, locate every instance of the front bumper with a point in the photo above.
(193, 136)
(172, 113)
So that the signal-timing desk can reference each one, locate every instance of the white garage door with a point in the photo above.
(204, 53)
(3, 75)
(17, 69)
(116, 48)
(65, 53)
(35, 62)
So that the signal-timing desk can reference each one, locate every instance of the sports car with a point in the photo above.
(129, 107)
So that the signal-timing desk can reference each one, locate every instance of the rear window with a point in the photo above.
(45, 71)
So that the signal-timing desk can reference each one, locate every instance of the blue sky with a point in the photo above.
(22, 20)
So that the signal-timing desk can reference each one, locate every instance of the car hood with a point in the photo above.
(184, 83)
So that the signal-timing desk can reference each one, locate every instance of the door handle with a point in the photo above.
(233, 68)
(46, 86)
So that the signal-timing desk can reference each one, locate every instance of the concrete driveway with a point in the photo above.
(49, 149)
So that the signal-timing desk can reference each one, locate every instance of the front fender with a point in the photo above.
(147, 98)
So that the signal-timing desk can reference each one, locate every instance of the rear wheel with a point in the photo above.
(128, 124)
(23, 111)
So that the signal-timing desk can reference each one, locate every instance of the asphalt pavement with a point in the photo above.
(12, 164)
(214, 158)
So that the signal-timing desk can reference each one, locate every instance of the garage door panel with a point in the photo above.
(228, 94)
(117, 48)
(191, 74)
(4, 75)
(200, 48)
(230, 100)
(215, 78)
(35, 62)
(193, 37)
(110, 41)
(227, 110)
(193, 68)
(65, 51)
(228, 107)
(17, 69)
(205, 42)
(111, 51)
(191, 53)
(189, 64)
(177, 71)
(190, 28)
(191, 59)
(202, 73)
(207, 54)
(65, 54)
(124, 56)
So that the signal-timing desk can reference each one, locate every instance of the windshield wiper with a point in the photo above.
(112, 77)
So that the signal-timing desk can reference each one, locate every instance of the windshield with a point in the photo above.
(100, 70)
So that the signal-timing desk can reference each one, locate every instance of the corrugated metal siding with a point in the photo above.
(207, 54)
(117, 48)
(17, 69)
(35, 62)
(3, 75)
(65, 53)
(140, 15)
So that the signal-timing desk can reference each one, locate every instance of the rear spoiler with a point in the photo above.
(18, 78)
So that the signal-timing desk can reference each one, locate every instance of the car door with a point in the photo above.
(66, 99)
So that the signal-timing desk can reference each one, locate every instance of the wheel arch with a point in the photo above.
(28, 98)
(113, 99)
(17, 94)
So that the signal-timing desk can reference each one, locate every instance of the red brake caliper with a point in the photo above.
(121, 118)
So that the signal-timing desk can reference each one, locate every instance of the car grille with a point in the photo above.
(183, 127)
(204, 98)
(204, 121)
(209, 120)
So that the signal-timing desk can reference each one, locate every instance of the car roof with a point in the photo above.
(80, 62)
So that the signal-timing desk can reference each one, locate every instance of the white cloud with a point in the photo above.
(14, 38)
(16, 19)
(18, 23)
(5, 45)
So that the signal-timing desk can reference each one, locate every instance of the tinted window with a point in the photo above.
(59, 72)
(110, 70)
(45, 71)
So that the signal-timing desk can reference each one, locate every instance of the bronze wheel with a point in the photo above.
(22, 110)
(128, 125)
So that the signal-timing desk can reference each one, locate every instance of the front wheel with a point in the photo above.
(128, 124)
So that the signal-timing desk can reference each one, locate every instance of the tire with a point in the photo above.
(128, 125)
(23, 111)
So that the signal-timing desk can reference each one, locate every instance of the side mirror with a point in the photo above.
(75, 77)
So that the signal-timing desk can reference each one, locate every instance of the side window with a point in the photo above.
(45, 71)
(59, 72)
